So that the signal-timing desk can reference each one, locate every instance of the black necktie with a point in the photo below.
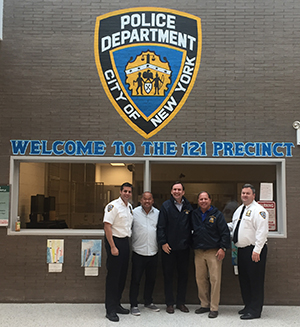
(236, 231)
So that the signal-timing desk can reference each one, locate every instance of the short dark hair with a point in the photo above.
(203, 192)
(250, 186)
(177, 182)
(126, 184)
(147, 192)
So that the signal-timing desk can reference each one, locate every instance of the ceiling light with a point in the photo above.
(117, 164)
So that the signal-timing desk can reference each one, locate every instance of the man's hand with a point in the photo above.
(220, 254)
(114, 251)
(255, 256)
(166, 248)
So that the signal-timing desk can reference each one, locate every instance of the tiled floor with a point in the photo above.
(92, 315)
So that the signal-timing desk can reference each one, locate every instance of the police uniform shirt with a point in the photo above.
(144, 240)
(119, 215)
(254, 226)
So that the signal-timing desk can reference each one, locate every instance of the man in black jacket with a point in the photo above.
(211, 238)
(174, 236)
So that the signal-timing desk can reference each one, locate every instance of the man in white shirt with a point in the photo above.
(144, 253)
(250, 230)
(118, 216)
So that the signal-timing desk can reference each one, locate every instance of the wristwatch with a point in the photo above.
(224, 249)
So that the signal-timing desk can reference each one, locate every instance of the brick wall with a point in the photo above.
(247, 89)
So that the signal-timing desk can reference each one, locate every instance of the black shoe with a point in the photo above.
(182, 308)
(248, 316)
(213, 314)
(122, 310)
(170, 309)
(112, 316)
(202, 310)
(243, 311)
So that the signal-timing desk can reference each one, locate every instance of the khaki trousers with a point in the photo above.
(208, 278)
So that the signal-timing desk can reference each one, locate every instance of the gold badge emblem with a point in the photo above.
(148, 75)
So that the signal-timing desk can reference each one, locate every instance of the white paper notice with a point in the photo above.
(55, 267)
(266, 191)
(91, 271)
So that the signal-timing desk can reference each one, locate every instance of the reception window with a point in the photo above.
(68, 195)
(58, 195)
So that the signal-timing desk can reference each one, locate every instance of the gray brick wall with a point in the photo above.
(247, 89)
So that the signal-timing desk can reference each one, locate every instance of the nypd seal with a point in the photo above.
(147, 60)
(110, 207)
(263, 214)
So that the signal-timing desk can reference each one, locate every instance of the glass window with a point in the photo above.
(70, 195)
(66, 195)
(224, 183)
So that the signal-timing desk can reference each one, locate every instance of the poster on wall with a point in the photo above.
(270, 206)
(91, 256)
(4, 205)
(55, 255)
(266, 192)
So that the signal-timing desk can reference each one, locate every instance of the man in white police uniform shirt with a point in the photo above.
(117, 220)
(250, 230)
(144, 253)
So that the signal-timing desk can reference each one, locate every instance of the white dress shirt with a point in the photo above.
(254, 226)
(120, 216)
(144, 231)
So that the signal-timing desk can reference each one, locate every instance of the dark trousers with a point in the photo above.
(252, 279)
(179, 261)
(117, 267)
(141, 264)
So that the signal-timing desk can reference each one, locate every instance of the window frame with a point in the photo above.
(15, 172)
(1, 20)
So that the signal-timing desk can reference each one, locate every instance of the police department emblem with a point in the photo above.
(110, 207)
(263, 214)
(147, 60)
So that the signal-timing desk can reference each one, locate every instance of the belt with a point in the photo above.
(248, 246)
